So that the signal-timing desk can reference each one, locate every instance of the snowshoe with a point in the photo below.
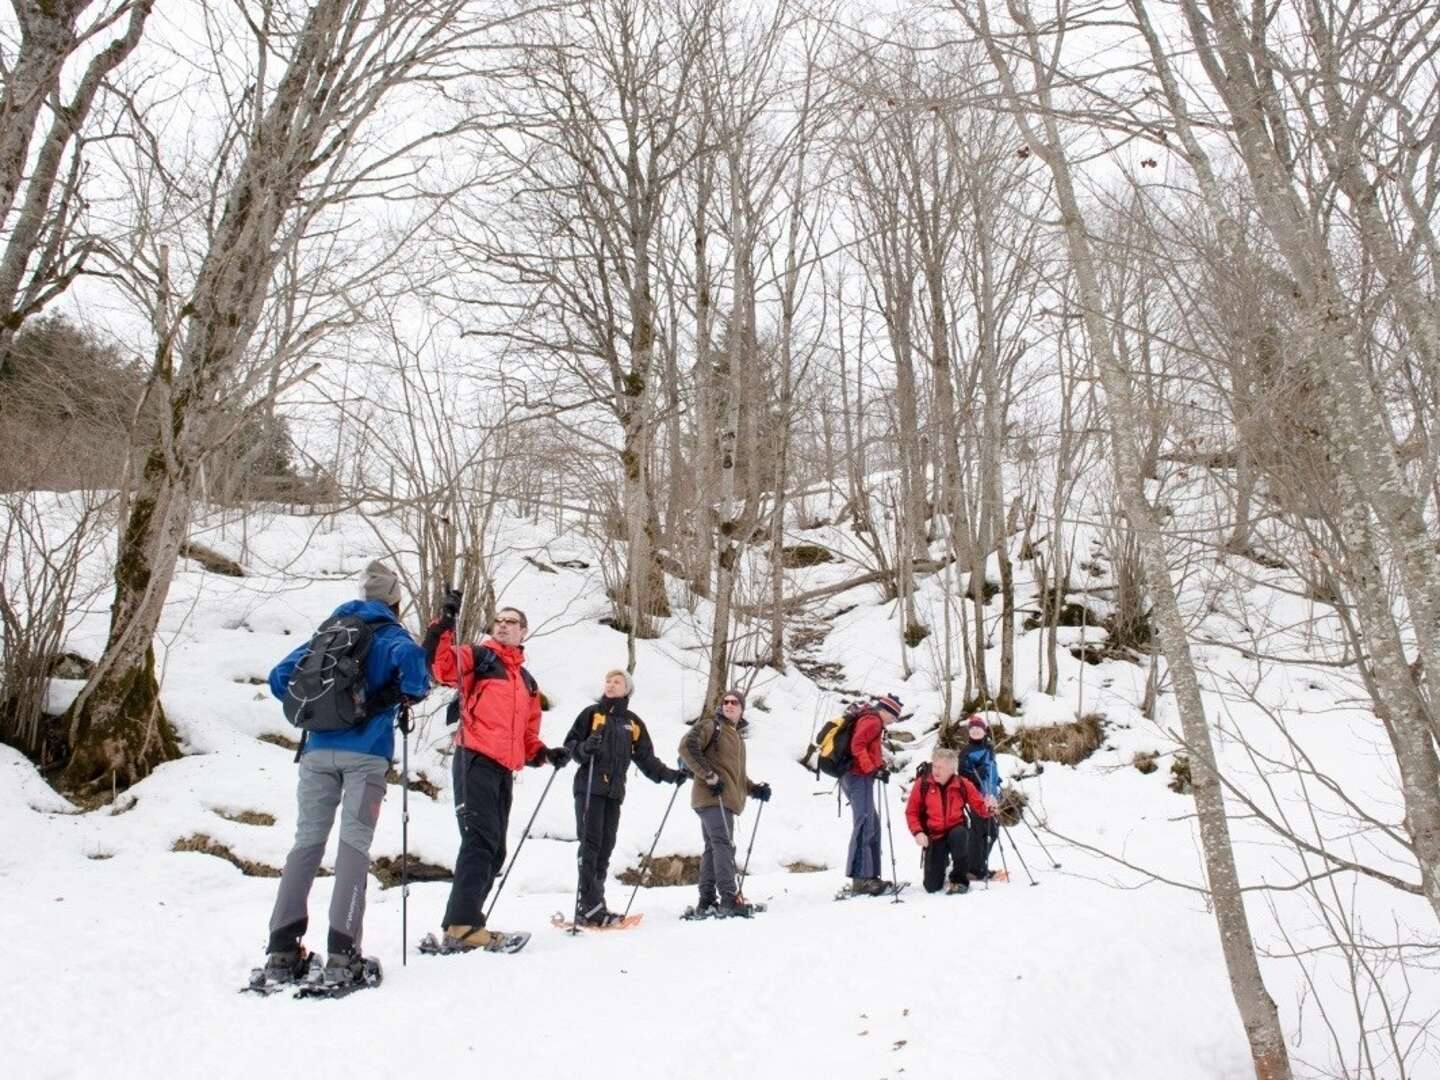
(495, 941)
(880, 888)
(697, 913)
(956, 888)
(609, 921)
(282, 971)
(342, 977)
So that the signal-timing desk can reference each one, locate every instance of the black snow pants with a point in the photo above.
(483, 791)
(596, 826)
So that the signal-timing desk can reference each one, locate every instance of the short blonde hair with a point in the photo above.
(629, 682)
(944, 753)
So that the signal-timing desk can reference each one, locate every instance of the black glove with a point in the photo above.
(557, 756)
(716, 786)
(590, 747)
(883, 775)
(450, 605)
(761, 792)
(678, 776)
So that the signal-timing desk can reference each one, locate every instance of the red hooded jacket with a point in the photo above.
(936, 808)
(865, 748)
(499, 713)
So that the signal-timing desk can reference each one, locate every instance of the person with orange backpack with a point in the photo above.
(936, 814)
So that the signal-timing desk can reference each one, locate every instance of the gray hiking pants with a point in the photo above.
(355, 784)
(862, 860)
(717, 865)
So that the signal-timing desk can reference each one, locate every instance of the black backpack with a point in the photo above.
(833, 742)
(327, 690)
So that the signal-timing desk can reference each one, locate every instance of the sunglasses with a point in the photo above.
(731, 701)
(507, 622)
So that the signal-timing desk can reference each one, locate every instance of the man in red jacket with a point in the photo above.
(867, 754)
(499, 732)
(936, 816)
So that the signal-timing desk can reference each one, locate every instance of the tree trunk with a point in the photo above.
(118, 730)
(1256, 1007)
(1399, 703)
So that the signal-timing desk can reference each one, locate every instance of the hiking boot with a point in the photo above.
(287, 965)
(464, 938)
(734, 908)
(956, 888)
(870, 886)
(344, 967)
(706, 904)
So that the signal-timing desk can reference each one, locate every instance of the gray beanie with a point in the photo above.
(381, 583)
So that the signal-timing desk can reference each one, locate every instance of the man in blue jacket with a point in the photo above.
(344, 770)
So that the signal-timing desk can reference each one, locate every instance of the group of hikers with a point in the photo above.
(353, 682)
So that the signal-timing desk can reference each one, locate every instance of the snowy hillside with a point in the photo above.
(123, 955)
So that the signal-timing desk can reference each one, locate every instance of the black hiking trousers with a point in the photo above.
(483, 791)
(600, 822)
(952, 849)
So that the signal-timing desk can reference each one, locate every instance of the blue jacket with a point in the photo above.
(977, 763)
(394, 657)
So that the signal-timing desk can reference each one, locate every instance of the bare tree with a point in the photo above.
(1039, 123)
(42, 195)
(298, 147)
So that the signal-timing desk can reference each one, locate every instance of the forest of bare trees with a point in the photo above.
(985, 271)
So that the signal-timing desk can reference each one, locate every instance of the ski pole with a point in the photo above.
(405, 835)
(1053, 864)
(739, 889)
(580, 855)
(651, 853)
(894, 874)
(1015, 848)
(523, 837)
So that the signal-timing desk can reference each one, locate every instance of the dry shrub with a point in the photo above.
(1180, 780)
(245, 817)
(387, 870)
(1064, 744)
(664, 870)
(1146, 761)
(211, 560)
(798, 556)
(800, 866)
(209, 846)
(1010, 807)
(279, 740)
(419, 782)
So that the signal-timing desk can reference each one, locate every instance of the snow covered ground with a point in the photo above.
(123, 956)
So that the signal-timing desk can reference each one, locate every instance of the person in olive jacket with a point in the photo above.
(715, 752)
(604, 739)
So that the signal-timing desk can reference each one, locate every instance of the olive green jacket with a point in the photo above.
(708, 753)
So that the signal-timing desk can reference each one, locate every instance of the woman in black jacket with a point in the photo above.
(604, 739)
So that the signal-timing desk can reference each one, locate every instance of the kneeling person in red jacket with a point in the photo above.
(499, 732)
(936, 815)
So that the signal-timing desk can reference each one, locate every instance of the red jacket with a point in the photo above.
(499, 713)
(935, 808)
(865, 749)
